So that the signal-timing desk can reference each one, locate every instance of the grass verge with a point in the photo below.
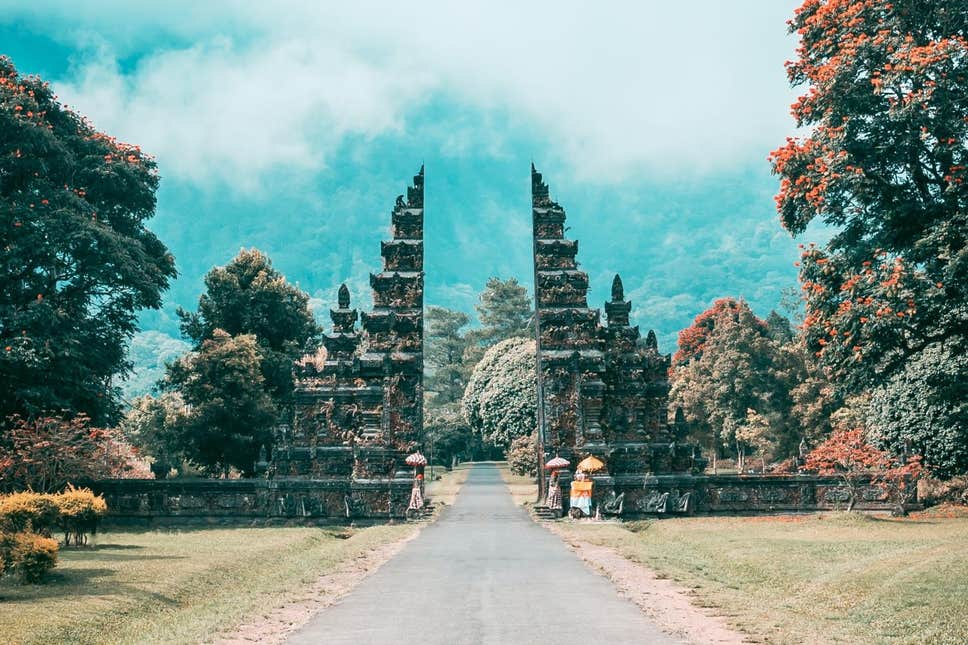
(524, 489)
(827, 578)
(445, 489)
(176, 587)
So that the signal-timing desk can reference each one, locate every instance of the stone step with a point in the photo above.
(544, 513)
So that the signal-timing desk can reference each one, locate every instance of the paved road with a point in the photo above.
(483, 574)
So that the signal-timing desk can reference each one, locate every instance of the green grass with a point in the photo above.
(816, 578)
(523, 489)
(445, 489)
(176, 587)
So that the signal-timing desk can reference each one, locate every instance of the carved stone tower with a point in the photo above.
(570, 357)
(357, 415)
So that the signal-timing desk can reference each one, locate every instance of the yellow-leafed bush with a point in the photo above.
(80, 511)
(28, 555)
(28, 511)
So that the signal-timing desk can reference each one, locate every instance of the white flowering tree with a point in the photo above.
(501, 395)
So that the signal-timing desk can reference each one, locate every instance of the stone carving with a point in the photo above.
(837, 495)
(774, 494)
(732, 495)
(654, 502)
(354, 506)
(614, 504)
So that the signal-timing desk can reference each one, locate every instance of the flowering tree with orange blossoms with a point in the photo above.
(848, 455)
(77, 261)
(693, 339)
(885, 164)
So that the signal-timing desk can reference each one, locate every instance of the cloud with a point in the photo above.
(229, 91)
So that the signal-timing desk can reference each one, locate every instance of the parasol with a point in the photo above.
(590, 464)
(416, 460)
(556, 463)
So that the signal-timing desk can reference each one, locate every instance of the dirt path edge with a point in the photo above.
(278, 623)
(662, 600)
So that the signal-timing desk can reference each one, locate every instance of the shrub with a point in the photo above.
(28, 511)
(47, 452)
(522, 458)
(848, 455)
(80, 511)
(27, 555)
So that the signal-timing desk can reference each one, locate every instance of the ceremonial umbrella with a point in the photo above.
(590, 464)
(416, 460)
(557, 463)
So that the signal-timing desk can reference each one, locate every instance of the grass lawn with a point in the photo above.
(834, 577)
(184, 586)
(175, 587)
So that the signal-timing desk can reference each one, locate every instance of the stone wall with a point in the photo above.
(340, 500)
(686, 494)
(255, 501)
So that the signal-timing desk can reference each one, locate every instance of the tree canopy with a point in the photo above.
(77, 262)
(249, 296)
(884, 164)
(445, 345)
(504, 311)
(230, 415)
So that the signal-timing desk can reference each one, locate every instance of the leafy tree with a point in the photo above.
(756, 432)
(692, 339)
(77, 260)
(778, 327)
(501, 396)
(447, 434)
(230, 414)
(504, 311)
(248, 296)
(732, 370)
(884, 164)
(444, 354)
(151, 425)
(924, 409)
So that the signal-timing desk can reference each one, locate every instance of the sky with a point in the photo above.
(292, 126)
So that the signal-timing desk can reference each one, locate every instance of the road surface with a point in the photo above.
(483, 574)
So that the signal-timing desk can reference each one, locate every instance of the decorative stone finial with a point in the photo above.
(343, 297)
(651, 342)
(618, 291)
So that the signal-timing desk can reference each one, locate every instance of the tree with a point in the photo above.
(444, 354)
(732, 370)
(924, 409)
(151, 425)
(692, 339)
(248, 296)
(501, 396)
(756, 432)
(504, 311)
(522, 456)
(446, 433)
(885, 165)
(230, 415)
(848, 455)
(77, 261)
